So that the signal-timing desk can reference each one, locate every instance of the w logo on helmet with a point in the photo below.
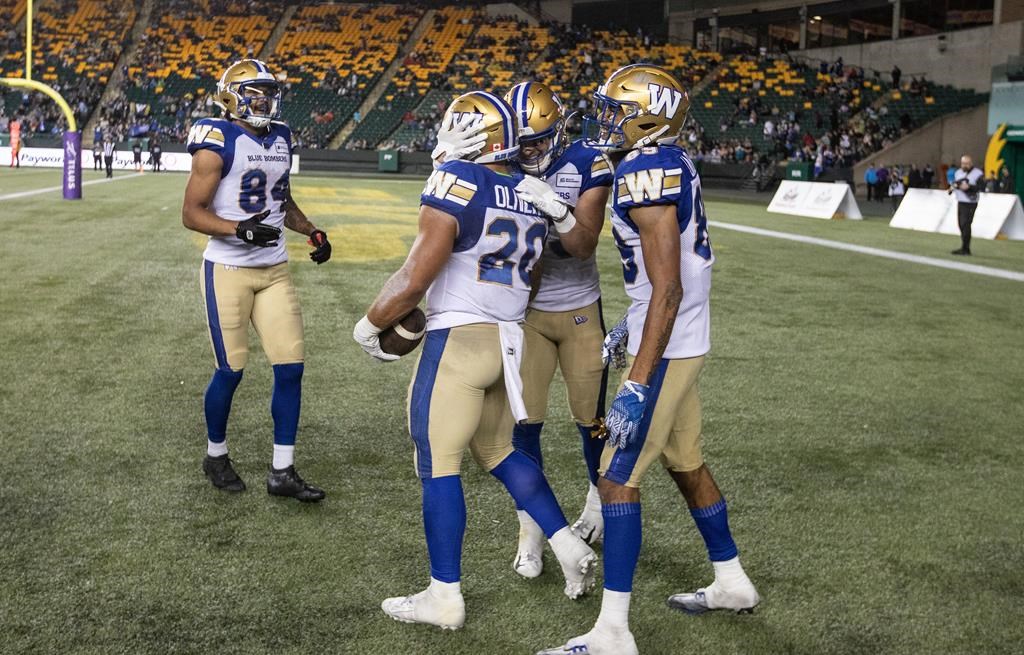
(664, 100)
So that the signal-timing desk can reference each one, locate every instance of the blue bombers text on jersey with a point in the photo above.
(500, 237)
(664, 175)
(254, 177)
(569, 283)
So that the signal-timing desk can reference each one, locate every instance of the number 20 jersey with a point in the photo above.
(254, 177)
(664, 175)
(499, 239)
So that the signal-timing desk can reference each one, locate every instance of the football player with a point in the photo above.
(238, 193)
(564, 325)
(660, 228)
(477, 243)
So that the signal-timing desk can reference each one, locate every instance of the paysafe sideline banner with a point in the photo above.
(124, 160)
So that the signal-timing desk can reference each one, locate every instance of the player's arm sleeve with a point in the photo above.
(456, 189)
(207, 134)
(599, 174)
(652, 180)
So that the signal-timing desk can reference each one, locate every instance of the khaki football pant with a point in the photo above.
(572, 341)
(670, 429)
(236, 296)
(457, 400)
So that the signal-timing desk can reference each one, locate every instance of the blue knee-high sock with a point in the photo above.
(530, 489)
(623, 535)
(526, 439)
(217, 402)
(285, 402)
(713, 523)
(444, 521)
(592, 449)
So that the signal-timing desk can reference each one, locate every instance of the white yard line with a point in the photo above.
(875, 252)
(33, 192)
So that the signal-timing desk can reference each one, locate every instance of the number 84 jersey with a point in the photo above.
(664, 175)
(253, 178)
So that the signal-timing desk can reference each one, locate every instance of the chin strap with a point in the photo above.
(651, 138)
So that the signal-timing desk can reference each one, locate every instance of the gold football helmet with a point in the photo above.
(249, 92)
(638, 105)
(541, 125)
(497, 121)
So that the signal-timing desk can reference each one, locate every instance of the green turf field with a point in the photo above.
(863, 417)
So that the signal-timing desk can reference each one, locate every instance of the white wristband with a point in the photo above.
(567, 223)
(364, 326)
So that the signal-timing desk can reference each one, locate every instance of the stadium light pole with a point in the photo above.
(72, 137)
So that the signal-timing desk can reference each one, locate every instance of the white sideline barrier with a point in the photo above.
(815, 199)
(999, 215)
(124, 160)
(924, 210)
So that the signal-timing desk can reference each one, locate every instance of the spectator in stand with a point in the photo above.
(871, 181)
(927, 176)
(896, 192)
(896, 73)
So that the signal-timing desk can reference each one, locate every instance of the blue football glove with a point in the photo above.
(623, 419)
(613, 349)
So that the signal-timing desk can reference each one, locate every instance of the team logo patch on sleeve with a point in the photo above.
(206, 134)
(645, 185)
(448, 186)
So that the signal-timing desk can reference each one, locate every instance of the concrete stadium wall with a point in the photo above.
(943, 140)
(509, 9)
(966, 63)
(560, 10)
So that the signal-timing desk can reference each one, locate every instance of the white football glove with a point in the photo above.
(613, 350)
(457, 141)
(537, 192)
(367, 335)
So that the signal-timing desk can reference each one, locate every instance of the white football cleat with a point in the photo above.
(579, 565)
(597, 642)
(529, 561)
(426, 607)
(741, 598)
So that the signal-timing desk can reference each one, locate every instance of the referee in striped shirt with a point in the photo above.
(108, 156)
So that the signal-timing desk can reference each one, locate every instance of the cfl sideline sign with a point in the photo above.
(123, 159)
(815, 199)
(999, 215)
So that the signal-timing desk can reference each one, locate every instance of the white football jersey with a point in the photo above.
(664, 175)
(500, 237)
(569, 283)
(254, 178)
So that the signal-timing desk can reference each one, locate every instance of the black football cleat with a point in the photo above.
(222, 474)
(286, 482)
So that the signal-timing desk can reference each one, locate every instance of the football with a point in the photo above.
(403, 337)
